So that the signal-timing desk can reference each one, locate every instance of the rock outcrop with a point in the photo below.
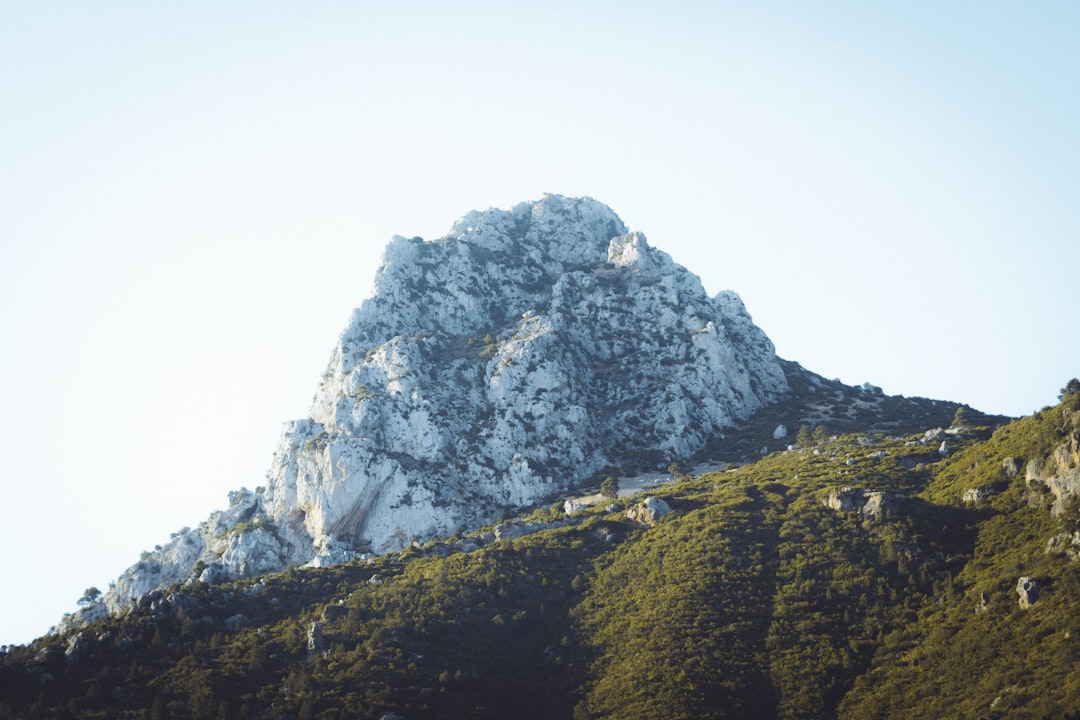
(1060, 472)
(316, 642)
(867, 502)
(521, 354)
(1028, 590)
(1067, 544)
(75, 648)
(1011, 466)
(649, 511)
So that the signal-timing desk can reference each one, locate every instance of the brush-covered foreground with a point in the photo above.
(752, 598)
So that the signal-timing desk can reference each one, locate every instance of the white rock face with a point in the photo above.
(524, 352)
(1060, 472)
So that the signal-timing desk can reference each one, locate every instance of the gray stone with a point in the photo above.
(1028, 590)
(316, 643)
(509, 531)
(649, 511)
(572, 506)
(845, 499)
(932, 436)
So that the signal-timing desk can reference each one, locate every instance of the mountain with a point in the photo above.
(807, 549)
(493, 368)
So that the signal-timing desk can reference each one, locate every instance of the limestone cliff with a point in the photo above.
(524, 352)
(1060, 471)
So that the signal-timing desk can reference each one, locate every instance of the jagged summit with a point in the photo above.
(524, 352)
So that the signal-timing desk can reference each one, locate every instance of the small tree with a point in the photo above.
(803, 439)
(960, 419)
(90, 596)
(1071, 388)
(610, 487)
(820, 435)
(673, 469)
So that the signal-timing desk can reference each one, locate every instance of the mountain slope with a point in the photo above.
(859, 577)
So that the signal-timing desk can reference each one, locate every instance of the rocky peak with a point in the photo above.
(524, 352)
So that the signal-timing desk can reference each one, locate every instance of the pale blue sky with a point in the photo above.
(194, 197)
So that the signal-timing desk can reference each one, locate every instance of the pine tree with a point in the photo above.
(610, 487)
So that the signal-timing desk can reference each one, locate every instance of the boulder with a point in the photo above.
(780, 432)
(1028, 590)
(648, 511)
(572, 506)
(932, 436)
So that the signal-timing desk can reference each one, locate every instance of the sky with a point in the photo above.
(194, 196)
